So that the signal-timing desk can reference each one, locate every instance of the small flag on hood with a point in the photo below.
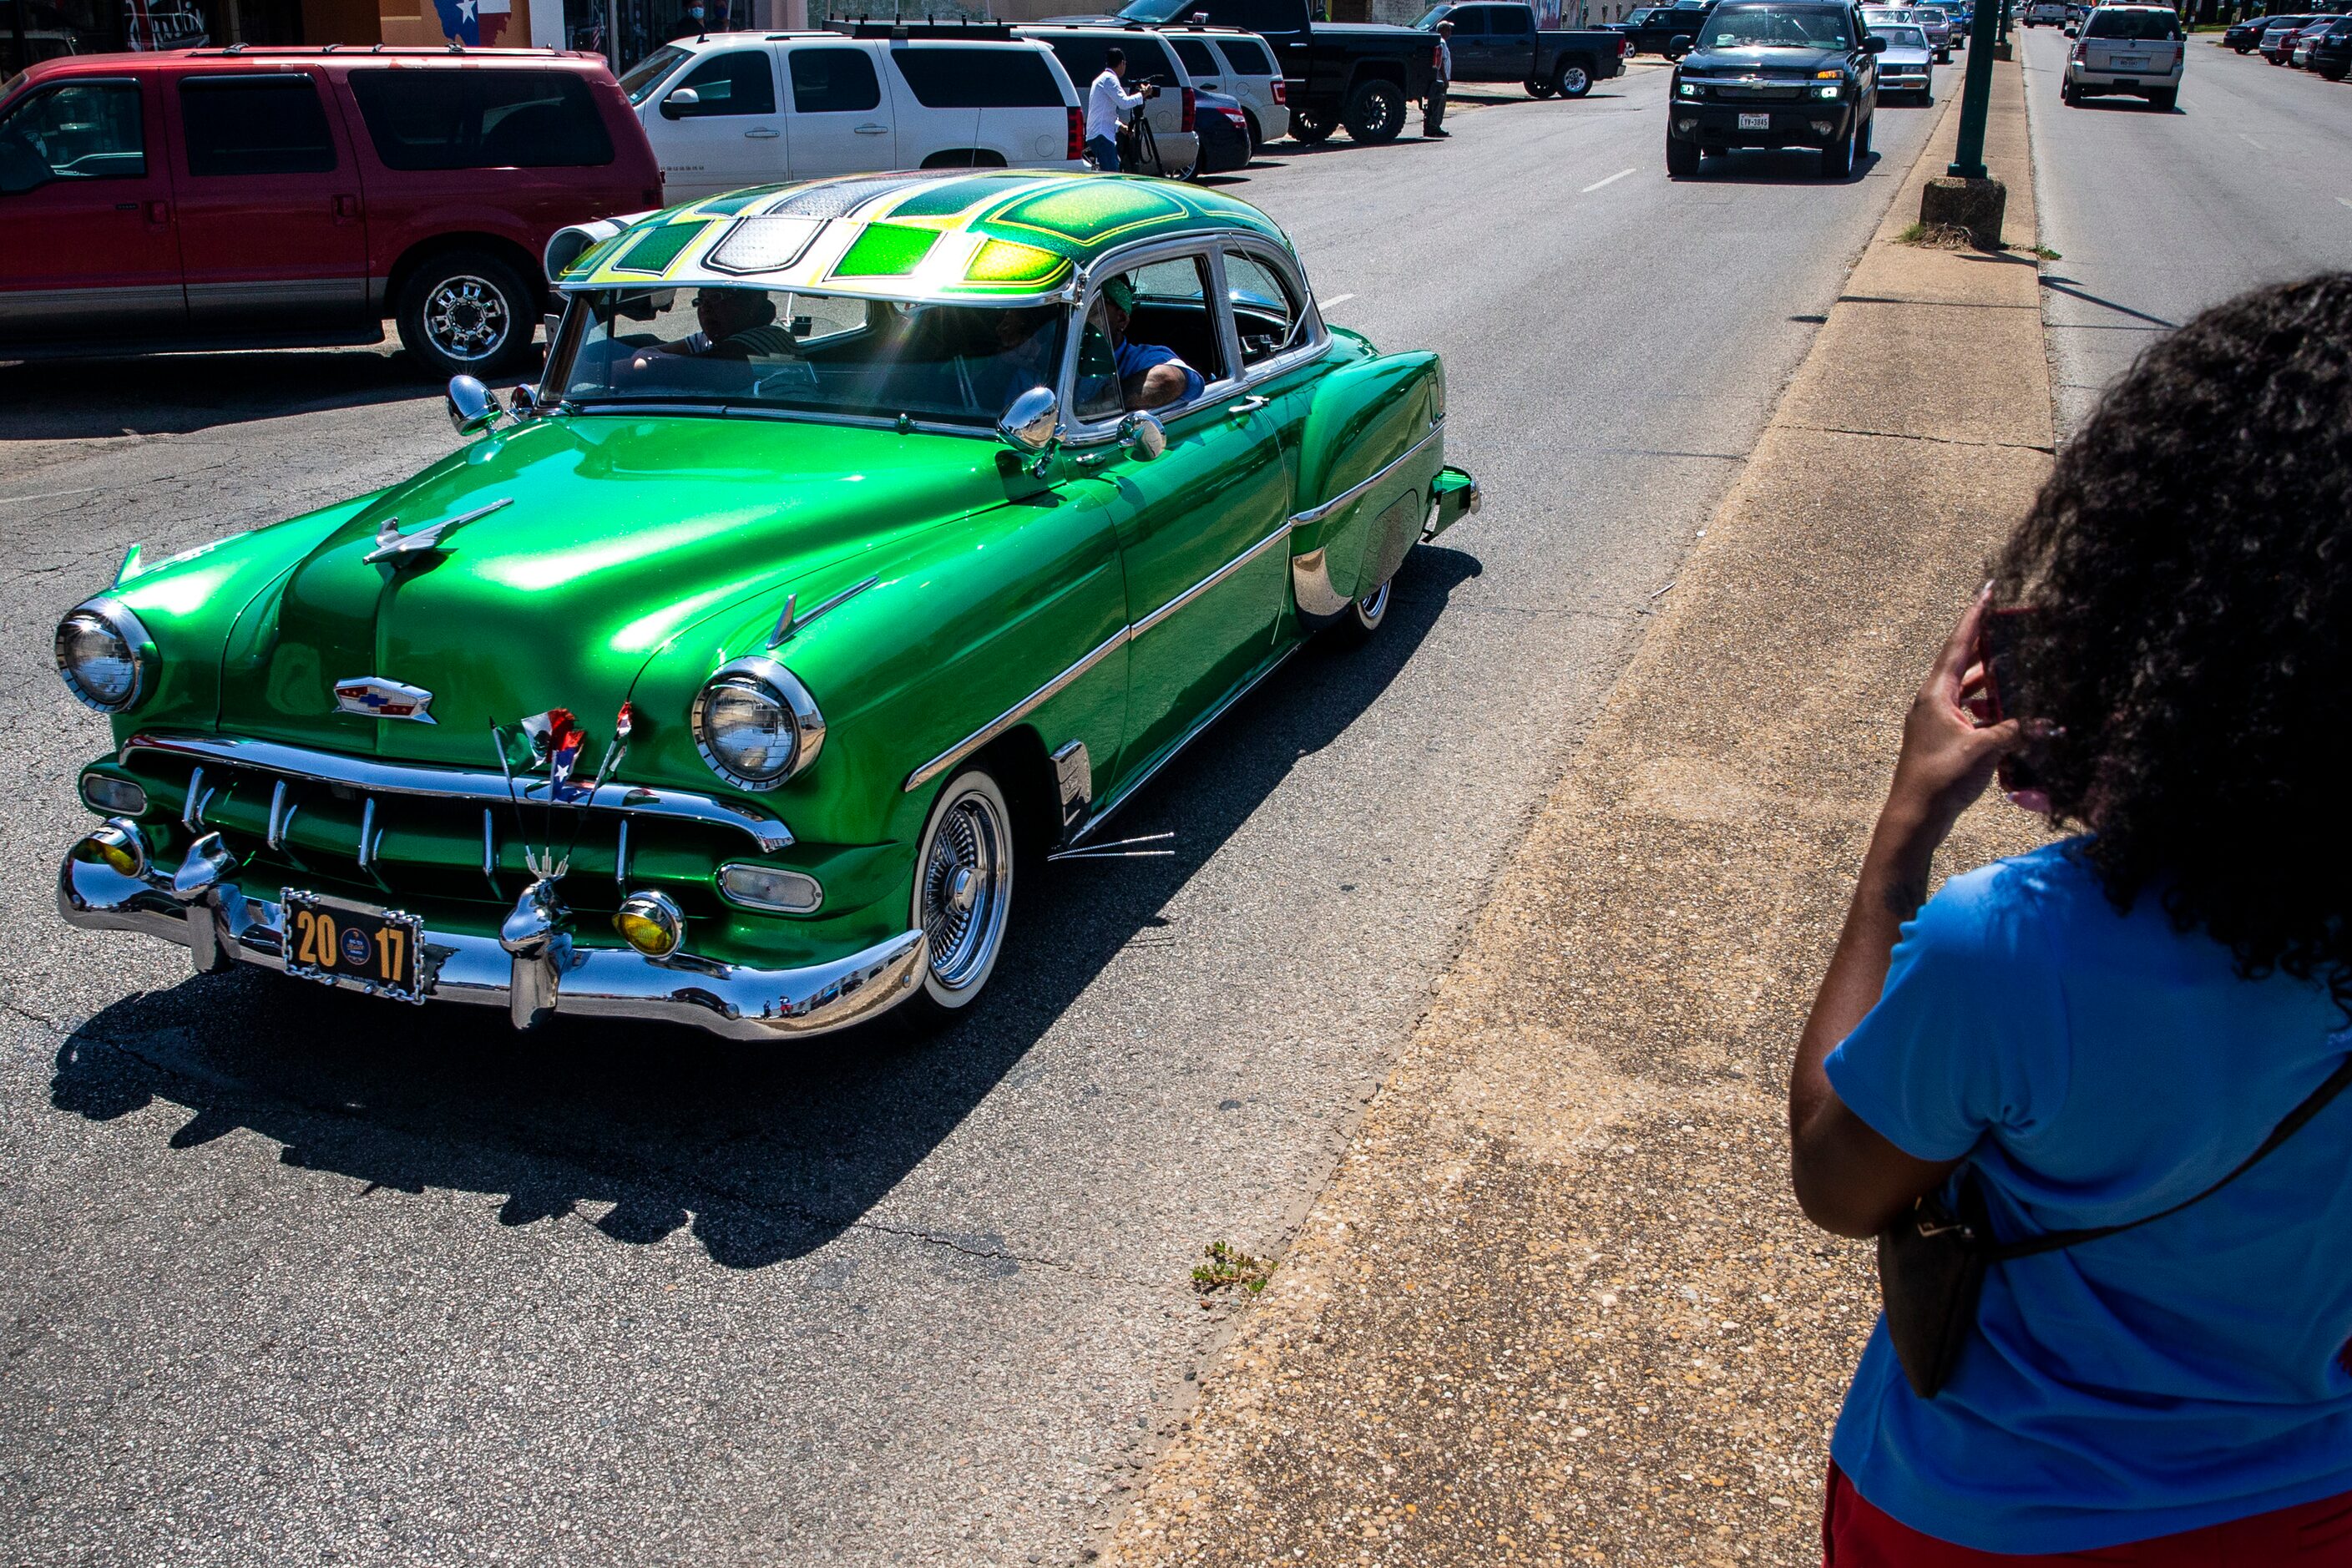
(624, 721)
(556, 736)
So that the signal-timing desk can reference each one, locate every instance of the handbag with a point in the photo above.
(1932, 1261)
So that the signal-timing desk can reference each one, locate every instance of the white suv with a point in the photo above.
(1228, 60)
(730, 109)
(2137, 49)
(1081, 48)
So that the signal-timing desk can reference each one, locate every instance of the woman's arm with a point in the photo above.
(1849, 1180)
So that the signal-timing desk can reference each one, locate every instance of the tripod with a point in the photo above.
(1145, 145)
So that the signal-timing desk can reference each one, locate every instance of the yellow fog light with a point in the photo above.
(650, 923)
(118, 845)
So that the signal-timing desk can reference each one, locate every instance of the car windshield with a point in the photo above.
(1152, 13)
(2143, 25)
(821, 353)
(1777, 27)
(640, 79)
(1430, 18)
(1930, 14)
(1902, 37)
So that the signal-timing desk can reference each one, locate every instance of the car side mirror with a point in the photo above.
(471, 408)
(1679, 44)
(1143, 436)
(1874, 45)
(679, 100)
(523, 400)
(1032, 423)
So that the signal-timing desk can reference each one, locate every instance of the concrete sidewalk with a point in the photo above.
(1557, 1304)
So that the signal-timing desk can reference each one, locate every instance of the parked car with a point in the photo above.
(275, 197)
(2135, 50)
(833, 631)
(2299, 46)
(1221, 59)
(2045, 14)
(2278, 40)
(1666, 30)
(729, 110)
(1360, 75)
(1082, 50)
(2331, 53)
(2243, 36)
(1908, 63)
(1775, 73)
(1224, 127)
(1494, 42)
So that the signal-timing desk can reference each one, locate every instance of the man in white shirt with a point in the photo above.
(1108, 104)
(1433, 108)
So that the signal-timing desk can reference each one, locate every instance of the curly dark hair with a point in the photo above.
(2189, 563)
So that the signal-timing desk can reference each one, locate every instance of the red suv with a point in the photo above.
(248, 197)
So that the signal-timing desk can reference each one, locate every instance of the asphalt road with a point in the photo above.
(2155, 217)
(290, 1276)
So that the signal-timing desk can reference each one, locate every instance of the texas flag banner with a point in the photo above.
(557, 736)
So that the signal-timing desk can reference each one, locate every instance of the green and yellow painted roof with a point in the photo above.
(993, 233)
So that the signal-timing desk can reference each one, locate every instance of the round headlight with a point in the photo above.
(100, 650)
(756, 725)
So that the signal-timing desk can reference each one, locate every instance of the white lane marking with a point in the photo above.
(1609, 181)
(2252, 143)
(47, 495)
(2345, 200)
(1337, 300)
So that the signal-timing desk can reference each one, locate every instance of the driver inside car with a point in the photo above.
(1149, 375)
(738, 324)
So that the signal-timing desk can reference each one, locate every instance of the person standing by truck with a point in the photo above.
(1433, 108)
(1108, 104)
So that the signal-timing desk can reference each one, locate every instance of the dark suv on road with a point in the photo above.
(1776, 73)
(1666, 30)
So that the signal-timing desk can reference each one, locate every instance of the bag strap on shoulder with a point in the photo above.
(2053, 1241)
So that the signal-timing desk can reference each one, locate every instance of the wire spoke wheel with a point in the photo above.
(965, 887)
(466, 318)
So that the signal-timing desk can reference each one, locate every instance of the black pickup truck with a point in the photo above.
(1664, 29)
(1502, 43)
(1360, 75)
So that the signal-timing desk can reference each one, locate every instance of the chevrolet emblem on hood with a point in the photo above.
(373, 697)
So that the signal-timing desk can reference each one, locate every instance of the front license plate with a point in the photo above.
(335, 939)
(1756, 122)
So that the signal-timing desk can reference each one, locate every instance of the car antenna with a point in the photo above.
(1117, 849)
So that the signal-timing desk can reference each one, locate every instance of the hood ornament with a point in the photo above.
(373, 697)
(399, 549)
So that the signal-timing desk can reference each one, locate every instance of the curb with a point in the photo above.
(1556, 1304)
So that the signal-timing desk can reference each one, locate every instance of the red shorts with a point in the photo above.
(1856, 1535)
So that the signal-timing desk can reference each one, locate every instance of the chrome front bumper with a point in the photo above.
(200, 906)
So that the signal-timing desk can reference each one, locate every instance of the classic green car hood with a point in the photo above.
(618, 536)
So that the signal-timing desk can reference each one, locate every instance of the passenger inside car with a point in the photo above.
(735, 325)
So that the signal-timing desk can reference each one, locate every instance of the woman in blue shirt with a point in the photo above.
(2099, 1030)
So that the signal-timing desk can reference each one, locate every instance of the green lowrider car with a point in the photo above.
(862, 537)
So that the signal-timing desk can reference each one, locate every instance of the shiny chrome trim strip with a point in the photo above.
(202, 908)
(1128, 791)
(275, 834)
(1317, 513)
(1015, 714)
(461, 783)
(490, 847)
(192, 809)
(621, 857)
(368, 835)
(1209, 581)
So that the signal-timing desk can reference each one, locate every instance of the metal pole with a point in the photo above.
(1976, 95)
(613, 34)
(2004, 24)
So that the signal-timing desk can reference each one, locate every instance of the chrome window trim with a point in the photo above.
(459, 784)
(1318, 336)
(1322, 509)
(1142, 253)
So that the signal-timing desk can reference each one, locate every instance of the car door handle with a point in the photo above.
(159, 212)
(1246, 405)
(873, 130)
(762, 133)
(347, 209)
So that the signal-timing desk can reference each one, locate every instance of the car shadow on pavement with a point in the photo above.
(174, 394)
(765, 1152)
